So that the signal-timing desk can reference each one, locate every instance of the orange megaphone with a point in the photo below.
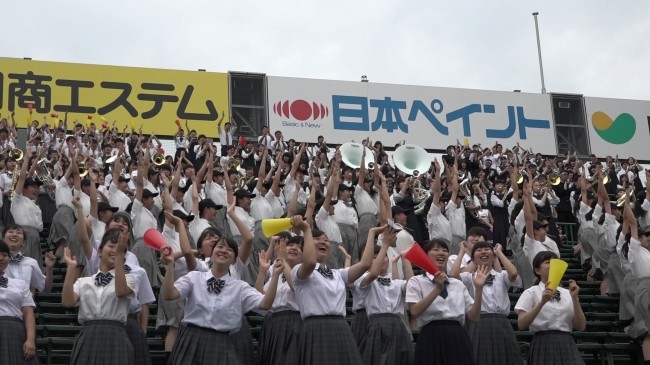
(271, 227)
(555, 272)
(416, 255)
(154, 239)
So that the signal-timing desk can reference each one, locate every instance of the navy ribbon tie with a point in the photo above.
(384, 281)
(490, 280)
(216, 285)
(284, 278)
(443, 293)
(15, 257)
(326, 272)
(3, 282)
(556, 296)
(102, 279)
(127, 269)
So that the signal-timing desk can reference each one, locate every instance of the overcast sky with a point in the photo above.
(595, 47)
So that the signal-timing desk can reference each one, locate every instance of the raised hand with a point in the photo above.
(574, 289)
(264, 262)
(69, 259)
(481, 274)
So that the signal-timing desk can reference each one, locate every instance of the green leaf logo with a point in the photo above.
(617, 131)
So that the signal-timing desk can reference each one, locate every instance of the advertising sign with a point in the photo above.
(618, 127)
(431, 117)
(130, 96)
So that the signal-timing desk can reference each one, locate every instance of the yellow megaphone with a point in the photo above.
(271, 227)
(555, 273)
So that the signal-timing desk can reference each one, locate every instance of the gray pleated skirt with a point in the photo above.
(494, 341)
(387, 341)
(524, 269)
(614, 273)
(63, 222)
(335, 259)
(148, 261)
(627, 299)
(279, 338)
(12, 339)
(554, 347)
(243, 342)
(33, 244)
(260, 243)
(138, 340)
(48, 208)
(359, 325)
(102, 342)
(170, 313)
(366, 222)
(642, 308)
(349, 238)
(198, 345)
(327, 340)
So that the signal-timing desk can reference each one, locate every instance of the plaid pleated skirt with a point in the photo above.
(387, 341)
(366, 222)
(243, 342)
(359, 325)
(102, 342)
(33, 244)
(138, 340)
(442, 343)
(327, 340)
(494, 341)
(554, 347)
(198, 345)
(279, 338)
(12, 339)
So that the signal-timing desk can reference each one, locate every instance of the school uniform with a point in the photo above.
(14, 296)
(144, 296)
(614, 268)
(214, 308)
(387, 340)
(639, 258)
(493, 339)
(219, 196)
(367, 210)
(326, 223)
(456, 216)
(442, 339)
(325, 335)
(26, 269)
(499, 209)
(143, 220)
(63, 221)
(438, 224)
(103, 316)
(281, 328)
(243, 338)
(553, 342)
(360, 321)
(260, 209)
(27, 214)
(532, 247)
(348, 220)
(117, 198)
(170, 313)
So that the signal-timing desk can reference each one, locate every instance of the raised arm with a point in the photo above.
(68, 297)
(389, 239)
(355, 271)
(122, 290)
(309, 249)
(247, 237)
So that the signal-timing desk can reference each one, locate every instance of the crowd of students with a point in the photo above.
(485, 216)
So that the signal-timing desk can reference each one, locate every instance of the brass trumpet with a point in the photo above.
(83, 169)
(554, 178)
(233, 164)
(158, 159)
(17, 154)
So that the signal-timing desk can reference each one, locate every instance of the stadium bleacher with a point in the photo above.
(603, 341)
